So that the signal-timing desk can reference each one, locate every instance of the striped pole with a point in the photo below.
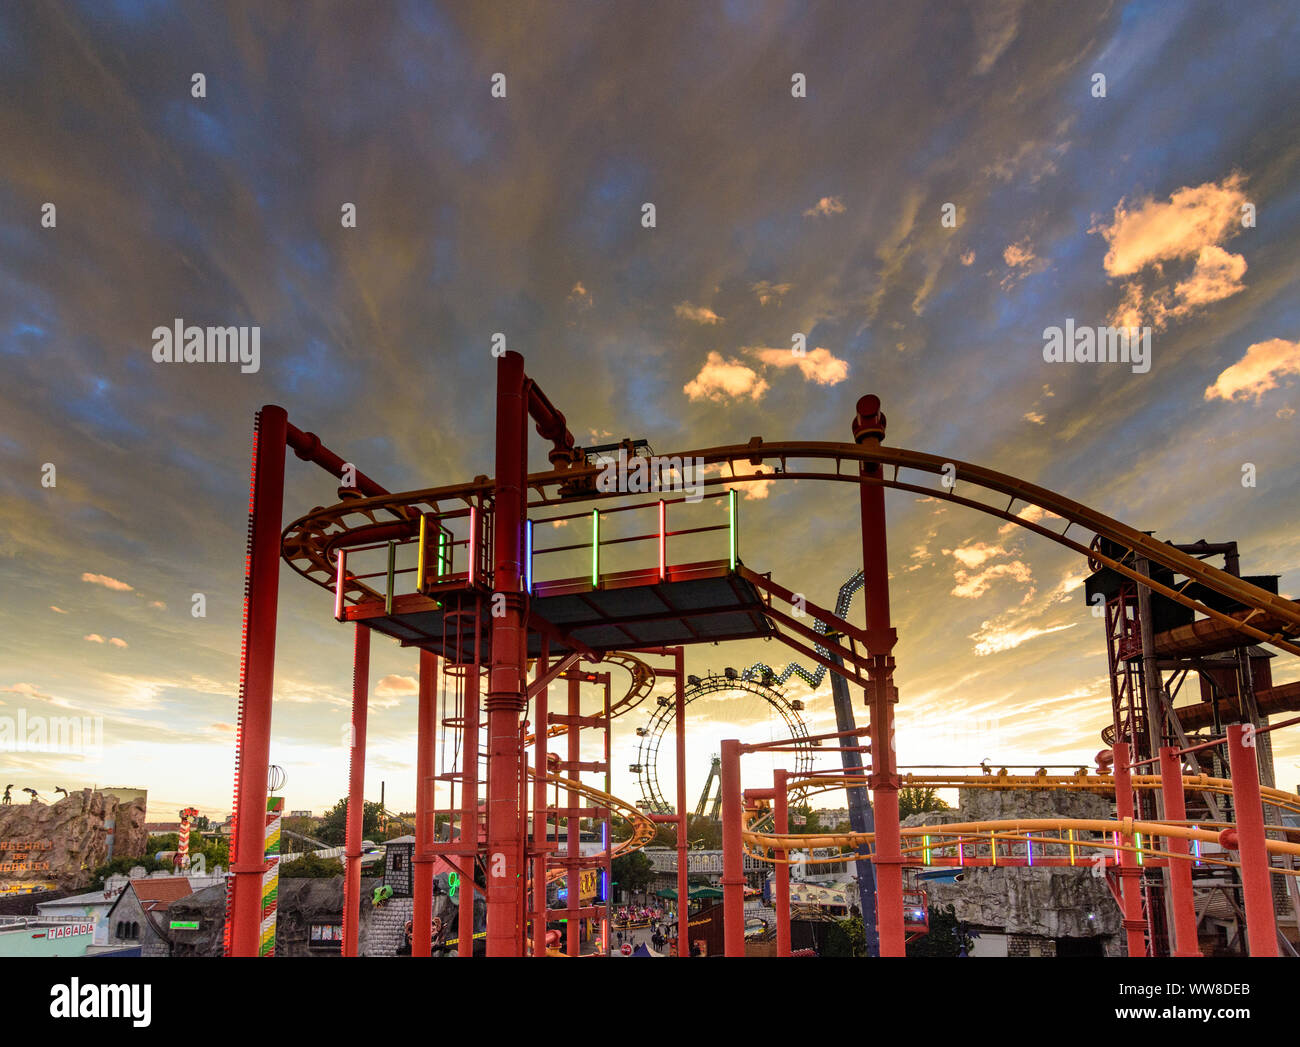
(271, 875)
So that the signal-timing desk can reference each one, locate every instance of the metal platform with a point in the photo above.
(693, 603)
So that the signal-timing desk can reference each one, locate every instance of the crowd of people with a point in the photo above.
(639, 915)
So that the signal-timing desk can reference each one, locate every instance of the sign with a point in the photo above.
(184, 925)
(626, 949)
(68, 930)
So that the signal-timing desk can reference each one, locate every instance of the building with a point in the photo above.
(138, 916)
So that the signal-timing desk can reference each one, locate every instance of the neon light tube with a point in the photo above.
(925, 840)
(1071, 846)
(1029, 848)
(1138, 837)
(993, 849)
(961, 857)
(1196, 847)
(663, 539)
(1115, 837)
(528, 554)
(731, 536)
(442, 551)
(595, 548)
(419, 558)
(338, 585)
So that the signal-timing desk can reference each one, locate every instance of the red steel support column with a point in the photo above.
(253, 745)
(733, 851)
(541, 831)
(422, 874)
(869, 430)
(1180, 870)
(507, 688)
(683, 861)
(1129, 874)
(572, 827)
(781, 824)
(356, 793)
(469, 820)
(1261, 920)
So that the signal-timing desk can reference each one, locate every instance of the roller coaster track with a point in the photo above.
(761, 671)
(309, 542)
(758, 844)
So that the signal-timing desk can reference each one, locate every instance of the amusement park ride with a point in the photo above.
(454, 572)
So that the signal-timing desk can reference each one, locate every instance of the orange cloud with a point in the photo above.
(57, 610)
(1157, 231)
(394, 686)
(95, 638)
(107, 582)
(117, 641)
(766, 291)
(816, 365)
(696, 314)
(827, 205)
(721, 380)
(1257, 372)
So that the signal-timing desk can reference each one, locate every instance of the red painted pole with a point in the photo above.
(608, 841)
(1261, 919)
(356, 793)
(869, 431)
(507, 681)
(541, 828)
(253, 745)
(683, 861)
(1129, 874)
(422, 874)
(781, 823)
(733, 851)
(572, 827)
(1180, 870)
(469, 821)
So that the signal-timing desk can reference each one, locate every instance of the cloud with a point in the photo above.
(996, 26)
(1018, 255)
(95, 638)
(1147, 239)
(976, 573)
(1035, 418)
(827, 205)
(117, 641)
(816, 365)
(968, 257)
(753, 490)
(57, 610)
(1257, 372)
(1156, 231)
(393, 686)
(990, 638)
(579, 296)
(722, 380)
(696, 314)
(1217, 275)
(107, 582)
(158, 604)
(766, 291)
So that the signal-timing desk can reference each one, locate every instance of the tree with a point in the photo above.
(947, 935)
(632, 872)
(333, 827)
(125, 864)
(915, 800)
(845, 938)
(311, 867)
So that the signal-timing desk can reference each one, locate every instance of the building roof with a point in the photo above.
(157, 894)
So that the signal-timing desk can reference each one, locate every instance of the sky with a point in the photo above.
(919, 190)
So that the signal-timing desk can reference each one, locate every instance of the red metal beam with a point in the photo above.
(422, 871)
(356, 793)
(253, 741)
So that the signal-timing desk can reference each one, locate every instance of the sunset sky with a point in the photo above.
(523, 214)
